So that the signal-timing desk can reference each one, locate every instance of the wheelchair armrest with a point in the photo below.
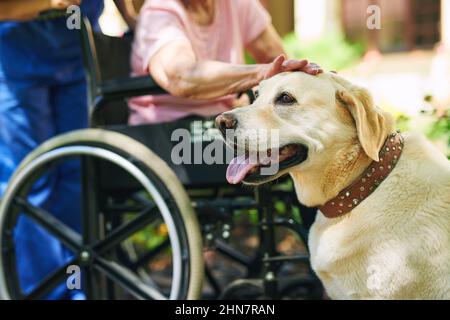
(139, 86)
(119, 89)
(116, 89)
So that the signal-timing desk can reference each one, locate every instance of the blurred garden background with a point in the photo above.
(405, 64)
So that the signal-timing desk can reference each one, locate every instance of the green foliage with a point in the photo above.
(439, 128)
(331, 52)
(403, 122)
(249, 59)
(436, 128)
(150, 237)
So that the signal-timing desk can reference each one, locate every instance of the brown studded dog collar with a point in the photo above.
(368, 181)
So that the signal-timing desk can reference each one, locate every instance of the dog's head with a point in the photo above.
(313, 117)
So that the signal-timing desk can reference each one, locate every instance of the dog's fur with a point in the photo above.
(396, 243)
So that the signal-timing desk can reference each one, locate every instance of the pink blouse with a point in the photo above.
(236, 23)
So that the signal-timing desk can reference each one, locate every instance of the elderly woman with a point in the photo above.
(194, 49)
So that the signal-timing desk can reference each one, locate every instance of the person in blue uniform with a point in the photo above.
(42, 94)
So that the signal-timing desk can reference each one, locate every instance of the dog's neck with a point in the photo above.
(342, 175)
(317, 185)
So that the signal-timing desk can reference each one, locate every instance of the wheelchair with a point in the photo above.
(147, 223)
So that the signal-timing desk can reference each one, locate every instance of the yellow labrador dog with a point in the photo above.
(383, 226)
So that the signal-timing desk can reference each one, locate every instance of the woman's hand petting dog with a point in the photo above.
(281, 64)
(62, 4)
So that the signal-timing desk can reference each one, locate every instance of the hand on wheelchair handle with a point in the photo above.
(281, 64)
(62, 4)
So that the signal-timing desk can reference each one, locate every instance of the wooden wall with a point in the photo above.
(282, 12)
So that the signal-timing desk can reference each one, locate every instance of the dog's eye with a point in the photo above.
(285, 99)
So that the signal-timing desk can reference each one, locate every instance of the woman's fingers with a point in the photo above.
(63, 4)
(280, 64)
(301, 65)
(278, 61)
(294, 65)
(275, 66)
(312, 69)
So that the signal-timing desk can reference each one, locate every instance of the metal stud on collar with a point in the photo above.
(368, 181)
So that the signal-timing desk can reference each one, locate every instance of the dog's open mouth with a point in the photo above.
(248, 169)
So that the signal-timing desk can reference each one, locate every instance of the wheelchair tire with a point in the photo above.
(152, 169)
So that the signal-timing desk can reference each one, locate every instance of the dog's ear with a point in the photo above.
(373, 125)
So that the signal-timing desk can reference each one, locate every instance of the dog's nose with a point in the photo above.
(226, 121)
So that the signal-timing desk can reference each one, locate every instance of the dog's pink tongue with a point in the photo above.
(238, 169)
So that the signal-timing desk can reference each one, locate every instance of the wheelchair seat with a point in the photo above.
(158, 138)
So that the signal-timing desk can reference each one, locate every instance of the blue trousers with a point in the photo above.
(30, 113)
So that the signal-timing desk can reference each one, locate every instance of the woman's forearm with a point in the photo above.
(267, 46)
(22, 9)
(214, 79)
(176, 69)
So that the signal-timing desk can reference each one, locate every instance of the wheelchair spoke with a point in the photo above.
(232, 253)
(142, 200)
(212, 281)
(50, 282)
(66, 235)
(126, 230)
(151, 254)
(127, 279)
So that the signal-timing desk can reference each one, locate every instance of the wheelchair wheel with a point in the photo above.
(160, 197)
